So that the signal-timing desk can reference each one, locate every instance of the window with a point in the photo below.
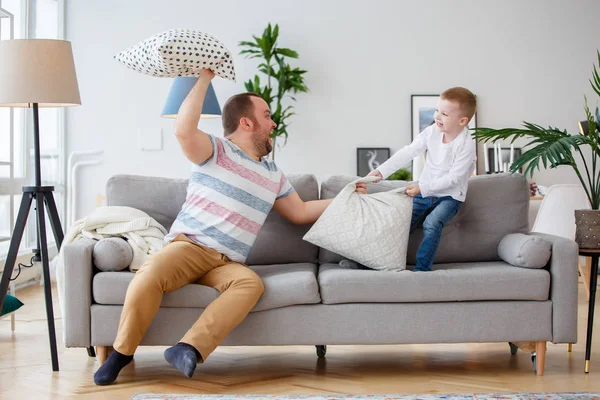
(41, 19)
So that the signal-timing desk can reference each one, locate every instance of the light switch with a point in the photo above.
(150, 139)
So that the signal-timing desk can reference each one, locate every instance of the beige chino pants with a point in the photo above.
(179, 263)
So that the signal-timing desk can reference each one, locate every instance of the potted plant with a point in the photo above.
(402, 174)
(552, 147)
(282, 79)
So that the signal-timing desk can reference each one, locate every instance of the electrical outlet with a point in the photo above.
(37, 257)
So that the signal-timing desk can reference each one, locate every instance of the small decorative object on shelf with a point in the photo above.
(533, 189)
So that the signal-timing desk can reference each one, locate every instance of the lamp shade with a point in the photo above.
(179, 91)
(38, 71)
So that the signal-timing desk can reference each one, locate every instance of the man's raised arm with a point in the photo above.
(196, 145)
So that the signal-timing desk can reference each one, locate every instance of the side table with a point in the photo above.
(594, 254)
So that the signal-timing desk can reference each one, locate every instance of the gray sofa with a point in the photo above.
(471, 296)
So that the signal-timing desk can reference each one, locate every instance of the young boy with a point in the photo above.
(442, 187)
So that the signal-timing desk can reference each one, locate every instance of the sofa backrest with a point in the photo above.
(496, 205)
(160, 198)
(279, 241)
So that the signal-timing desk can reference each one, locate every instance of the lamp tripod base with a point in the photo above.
(40, 196)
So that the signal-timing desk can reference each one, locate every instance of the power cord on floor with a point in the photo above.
(21, 265)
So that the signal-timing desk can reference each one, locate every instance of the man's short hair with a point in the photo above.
(464, 97)
(237, 107)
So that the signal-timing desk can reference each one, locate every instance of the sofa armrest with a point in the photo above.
(563, 287)
(77, 301)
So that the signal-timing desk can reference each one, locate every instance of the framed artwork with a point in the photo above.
(422, 108)
(369, 158)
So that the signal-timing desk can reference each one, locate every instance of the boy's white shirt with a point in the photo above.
(448, 165)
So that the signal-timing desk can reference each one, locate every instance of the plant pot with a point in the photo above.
(587, 233)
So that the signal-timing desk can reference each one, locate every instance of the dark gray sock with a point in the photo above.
(184, 357)
(107, 373)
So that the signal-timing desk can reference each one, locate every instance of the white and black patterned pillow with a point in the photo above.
(179, 52)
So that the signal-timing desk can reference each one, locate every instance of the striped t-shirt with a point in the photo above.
(228, 199)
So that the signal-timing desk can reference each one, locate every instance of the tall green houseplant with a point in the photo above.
(551, 147)
(281, 79)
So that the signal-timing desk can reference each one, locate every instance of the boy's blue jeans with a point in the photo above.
(433, 213)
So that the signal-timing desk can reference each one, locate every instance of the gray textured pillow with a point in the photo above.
(525, 251)
(112, 254)
(352, 225)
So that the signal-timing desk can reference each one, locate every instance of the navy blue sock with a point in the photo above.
(107, 373)
(184, 357)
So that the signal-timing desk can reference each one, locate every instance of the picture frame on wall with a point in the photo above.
(422, 108)
(369, 158)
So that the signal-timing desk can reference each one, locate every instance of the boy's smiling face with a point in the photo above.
(449, 117)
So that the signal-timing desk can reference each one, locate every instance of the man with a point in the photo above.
(231, 190)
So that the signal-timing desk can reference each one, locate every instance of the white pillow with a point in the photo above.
(372, 229)
(179, 52)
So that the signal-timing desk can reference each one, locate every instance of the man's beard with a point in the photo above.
(262, 145)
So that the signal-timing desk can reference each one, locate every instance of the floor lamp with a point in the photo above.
(37, 73)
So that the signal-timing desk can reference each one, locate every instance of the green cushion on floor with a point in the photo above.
(11, 303)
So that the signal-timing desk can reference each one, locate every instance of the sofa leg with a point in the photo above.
(321, 350)
(91, 352)
(103, 353)
(540, 353)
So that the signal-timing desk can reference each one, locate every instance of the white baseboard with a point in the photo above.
(29, 276)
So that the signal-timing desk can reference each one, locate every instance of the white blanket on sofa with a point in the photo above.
(144, 234)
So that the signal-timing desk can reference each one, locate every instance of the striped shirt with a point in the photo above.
(228, 199)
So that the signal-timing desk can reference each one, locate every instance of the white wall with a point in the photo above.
(525, 60)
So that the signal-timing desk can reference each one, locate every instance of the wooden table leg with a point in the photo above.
(585, 272)
(590, 322)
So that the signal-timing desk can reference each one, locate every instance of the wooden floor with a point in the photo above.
(26, 373)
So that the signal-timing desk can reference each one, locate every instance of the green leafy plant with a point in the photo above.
(400, 175)
(551, 147)
(282, 80)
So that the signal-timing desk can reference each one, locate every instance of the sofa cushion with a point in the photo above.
(285, 285)
(527, 251)
(278, 242)
(496, 205)
(160, 198)
(448, 282)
